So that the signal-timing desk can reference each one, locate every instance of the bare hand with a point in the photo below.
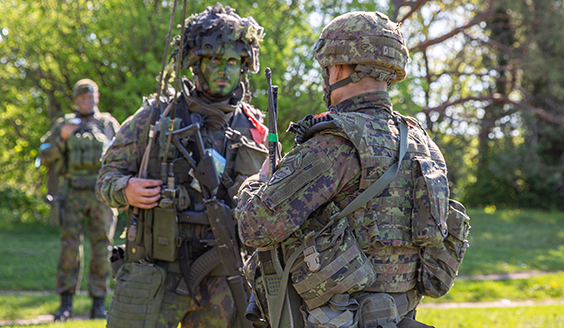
(143, 193)
(68, 130)
(265, 169)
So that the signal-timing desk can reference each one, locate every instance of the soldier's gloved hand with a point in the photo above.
(143, 193)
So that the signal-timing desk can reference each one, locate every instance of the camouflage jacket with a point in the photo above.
(411, 232)
(244, 157)
(55, 150)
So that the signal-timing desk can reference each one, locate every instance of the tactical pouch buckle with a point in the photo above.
(311, 255)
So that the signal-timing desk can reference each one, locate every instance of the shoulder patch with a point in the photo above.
(302, 166)
(291, 163)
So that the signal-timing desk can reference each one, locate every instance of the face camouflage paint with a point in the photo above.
(220, 74)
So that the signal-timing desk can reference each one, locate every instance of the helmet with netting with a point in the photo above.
(84, 86)
(219, 31)
(370, 40)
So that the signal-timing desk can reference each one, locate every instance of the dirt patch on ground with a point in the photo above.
(498, 304)
(504, 276)
(43, 318)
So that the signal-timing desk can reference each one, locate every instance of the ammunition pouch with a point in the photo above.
(430, 203)
(165, 234)
(138, 296)
(331, 262)
(85, 149)
(439, 264)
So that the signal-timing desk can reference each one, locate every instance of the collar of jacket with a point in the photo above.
(368, 103)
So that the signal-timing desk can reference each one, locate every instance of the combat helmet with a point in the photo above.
(84, 86)
(208, 33)
(368, 39)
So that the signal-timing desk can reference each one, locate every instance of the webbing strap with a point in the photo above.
(384, 179)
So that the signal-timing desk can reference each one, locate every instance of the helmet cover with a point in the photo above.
(365, 38)
(84, 86)
(219, 31)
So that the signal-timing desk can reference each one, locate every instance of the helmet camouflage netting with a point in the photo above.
(208, 33)
(365, 38)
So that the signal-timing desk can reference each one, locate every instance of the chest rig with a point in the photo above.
(411, 211)
(84, 150)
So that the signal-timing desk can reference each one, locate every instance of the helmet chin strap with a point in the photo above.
(361, 71)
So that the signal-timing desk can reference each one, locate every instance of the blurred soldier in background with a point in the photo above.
(204, 129)
(72, 150)
(358, 214)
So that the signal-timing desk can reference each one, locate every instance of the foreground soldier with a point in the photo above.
(169, 275)
(73, 149)
(370, 263)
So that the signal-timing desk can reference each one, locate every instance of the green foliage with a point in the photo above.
(515, 177)
(17, 205)
(504, 241)
(46, 46)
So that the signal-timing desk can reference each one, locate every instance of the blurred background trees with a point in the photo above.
(485, 78)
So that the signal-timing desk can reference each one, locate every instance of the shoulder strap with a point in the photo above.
(384, 179)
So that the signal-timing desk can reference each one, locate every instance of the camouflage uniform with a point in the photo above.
(234, 129)
(334, 165)
(81, 210)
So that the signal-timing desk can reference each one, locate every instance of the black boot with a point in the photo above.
(65, 311)
(98, 309)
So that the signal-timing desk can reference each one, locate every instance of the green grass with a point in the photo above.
(73, 324)
(545, 316)
(504, 241)
(30, 305)
(536, 288)
(29, 254)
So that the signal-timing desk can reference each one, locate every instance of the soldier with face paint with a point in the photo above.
(220, 48)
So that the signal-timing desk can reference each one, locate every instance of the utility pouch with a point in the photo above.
(338, 313)
(134, 243)
(165, 233)
(332, 262)
(377, 310)
(439, 264)
(137, 297)
(430, 203)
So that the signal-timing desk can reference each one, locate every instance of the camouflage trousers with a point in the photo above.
(82, 213)
(217, 308)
